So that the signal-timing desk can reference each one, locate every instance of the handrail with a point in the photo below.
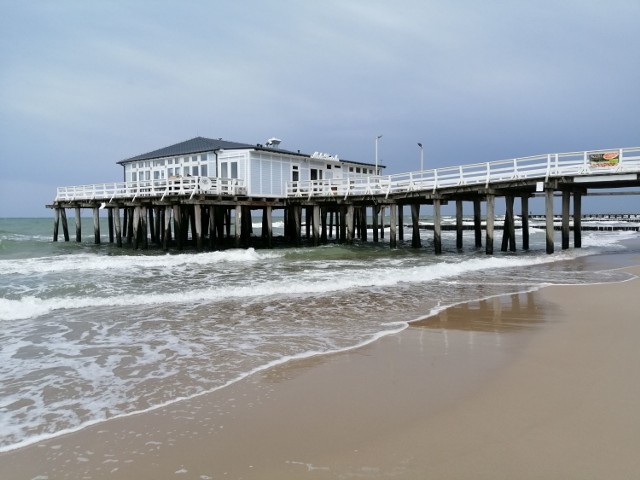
(178, 186)
(536, 167)
(540, 167)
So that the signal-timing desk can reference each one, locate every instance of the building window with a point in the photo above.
(203, 170)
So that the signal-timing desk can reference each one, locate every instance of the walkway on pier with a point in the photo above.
(205, 205)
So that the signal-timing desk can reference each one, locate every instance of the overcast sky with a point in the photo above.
(84, 84)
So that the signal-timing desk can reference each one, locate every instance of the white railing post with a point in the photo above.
(488, 174)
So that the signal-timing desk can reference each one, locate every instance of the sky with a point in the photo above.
(84, 84)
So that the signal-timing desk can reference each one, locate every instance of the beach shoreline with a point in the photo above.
(485, 389)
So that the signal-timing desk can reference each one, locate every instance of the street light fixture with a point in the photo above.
(421, 157)
(377, 138)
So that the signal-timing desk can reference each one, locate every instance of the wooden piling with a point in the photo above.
(401, 222)
(65, 225)
(437, 226)
(56, 223)
(197, 220)
(459, 224)
(375, 213)
(524, 215)
(491, 215)
(166, 237)
(415, 221)
(549, 218)
(110, 224)
(78, 225)
(117, 226)
(477, 222)
(96, 225)
(577, 220)
(238, 227)
(316, 225)
(393, 227)
(177, 226)
(350, 221)
(136, 228)
(566, 213)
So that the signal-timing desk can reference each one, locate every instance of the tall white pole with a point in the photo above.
(377, 138)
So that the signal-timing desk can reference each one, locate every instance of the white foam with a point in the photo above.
(313, 281)
(128, 263)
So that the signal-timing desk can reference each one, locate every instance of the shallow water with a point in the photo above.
(91, 332)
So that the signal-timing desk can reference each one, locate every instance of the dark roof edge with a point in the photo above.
(202, 144)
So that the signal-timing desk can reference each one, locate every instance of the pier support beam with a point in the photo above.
(110, 224)
(78, 226)
(177, 226)
(577, 220)
(375, 215)
(566, 214)
(166, 237)
(96, 225)
(437, 226)
(509, 229)
(136, 228)
(549, 218)
(56, 224)
(393, 227)
(65, 225)
(415, 219)
(267, 226)
(491, 215)
(238, 227)
(197, 216)
(118, 226)
(459, 225)
(350, 221)
(323, 225)
(316, 225)
(477, 222)
(401, 222)
(524, 213)
(144, 228)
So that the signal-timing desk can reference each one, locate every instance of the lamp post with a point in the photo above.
(421, 157)
(377, 138)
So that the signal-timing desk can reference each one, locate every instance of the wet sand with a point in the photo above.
(530, 386)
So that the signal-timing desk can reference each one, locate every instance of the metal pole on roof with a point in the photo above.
(377, 138)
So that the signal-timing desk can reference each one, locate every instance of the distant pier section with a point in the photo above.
(204, 192)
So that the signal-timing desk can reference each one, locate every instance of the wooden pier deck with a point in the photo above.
(215, 212)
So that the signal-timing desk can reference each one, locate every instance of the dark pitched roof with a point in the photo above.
(195, 145)
(202, 144)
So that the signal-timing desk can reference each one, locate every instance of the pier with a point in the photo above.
(216, 212)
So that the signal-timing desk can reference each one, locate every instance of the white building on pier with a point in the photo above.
(263, 169)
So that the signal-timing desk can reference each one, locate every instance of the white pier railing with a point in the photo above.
(539, 167)
(188, 186)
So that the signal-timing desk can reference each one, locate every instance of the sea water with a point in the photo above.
(90, 332)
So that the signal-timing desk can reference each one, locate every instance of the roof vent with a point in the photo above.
(273, 142)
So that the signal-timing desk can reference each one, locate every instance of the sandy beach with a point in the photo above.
(531, 386)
